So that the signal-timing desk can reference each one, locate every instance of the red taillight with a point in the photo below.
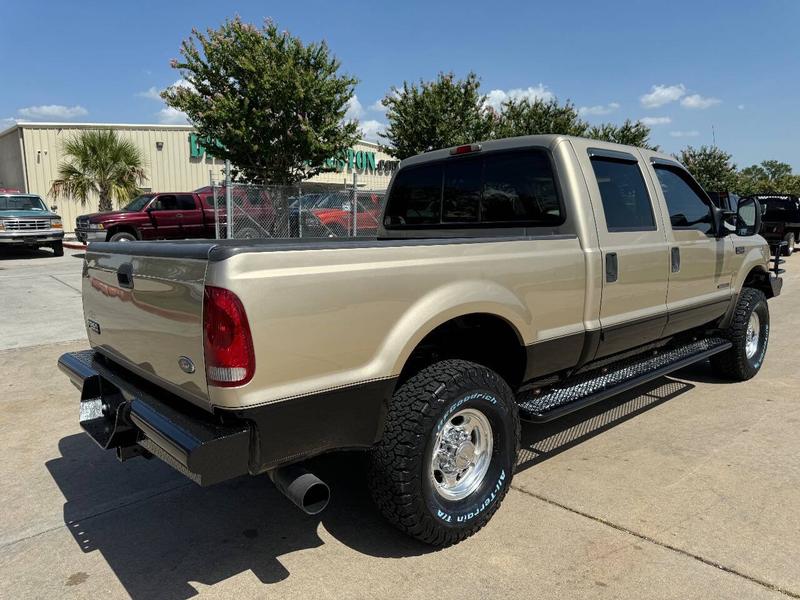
(465, 149)
(228, 346)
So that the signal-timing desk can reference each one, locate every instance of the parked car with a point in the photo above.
(255, 213)
(26, 221)
(517, 279)
(333, 216)
(169, 215)
(781, 220)
(297, 209)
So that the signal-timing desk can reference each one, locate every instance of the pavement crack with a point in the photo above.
(647, 538)
(72, 287)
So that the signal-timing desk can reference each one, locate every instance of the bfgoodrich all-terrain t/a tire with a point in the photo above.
(448, 452)
(749, 332)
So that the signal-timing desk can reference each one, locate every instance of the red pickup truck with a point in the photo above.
(149, 217)
(177, 215)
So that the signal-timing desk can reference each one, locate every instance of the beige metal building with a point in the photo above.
(175, 160)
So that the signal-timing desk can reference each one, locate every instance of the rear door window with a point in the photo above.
(626, 203)
(185, 202)
(513, 188)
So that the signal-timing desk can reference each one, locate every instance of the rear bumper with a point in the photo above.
(120, 411)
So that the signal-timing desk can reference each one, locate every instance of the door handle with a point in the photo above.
(179, 215)
(612, 267)
(675, 259)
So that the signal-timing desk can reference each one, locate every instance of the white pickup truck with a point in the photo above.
(511, 280)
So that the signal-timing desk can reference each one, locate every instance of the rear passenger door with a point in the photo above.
(633, 246)
(700, 262)
(189, 217)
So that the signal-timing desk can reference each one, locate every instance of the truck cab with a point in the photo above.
(26, 221)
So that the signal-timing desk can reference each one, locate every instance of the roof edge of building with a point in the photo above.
(66, 124)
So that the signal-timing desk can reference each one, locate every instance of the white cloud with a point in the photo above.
(153, 93)
(370, 129)
(172, 116)
(699, 102)
(377, 106)
(680, 134)
(662, 94)
(53, 111)
(599, 109)
(354, 109)
(496, 98)
(150, 94)
(650, 121)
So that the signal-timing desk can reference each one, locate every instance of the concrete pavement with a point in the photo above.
(685, 488)
(40, 297)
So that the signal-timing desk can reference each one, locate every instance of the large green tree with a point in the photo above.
(273, 105)
(436, 114)
(99, 162)
(532, 117)
(769, 177)
(712, 167)
(631, 133)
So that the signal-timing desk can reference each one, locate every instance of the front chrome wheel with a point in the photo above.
(461, 455)
(752, 335)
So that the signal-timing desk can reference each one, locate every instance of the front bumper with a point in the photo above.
(121, 411)
(31, 238)
(90, 235)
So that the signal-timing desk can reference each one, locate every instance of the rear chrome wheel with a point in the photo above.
(448, 452)
(461, 454)
(752, 335)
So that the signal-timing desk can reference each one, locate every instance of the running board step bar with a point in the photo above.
(547, 404)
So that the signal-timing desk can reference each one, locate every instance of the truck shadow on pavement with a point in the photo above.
(22, 253)
(165, 537)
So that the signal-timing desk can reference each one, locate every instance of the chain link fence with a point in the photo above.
(305, 210)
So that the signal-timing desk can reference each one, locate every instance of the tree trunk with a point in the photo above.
(105, 201)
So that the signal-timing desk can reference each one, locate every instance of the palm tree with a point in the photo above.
(99, 161)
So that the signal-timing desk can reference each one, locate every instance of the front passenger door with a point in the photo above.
(700, 264)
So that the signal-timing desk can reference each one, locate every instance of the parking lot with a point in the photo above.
(684, 488)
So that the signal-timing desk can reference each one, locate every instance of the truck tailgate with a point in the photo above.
(146, 313)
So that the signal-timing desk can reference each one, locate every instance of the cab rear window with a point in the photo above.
(501, 188)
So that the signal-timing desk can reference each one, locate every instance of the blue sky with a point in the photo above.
(682, 66)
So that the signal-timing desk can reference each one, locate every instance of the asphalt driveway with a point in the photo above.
(684, 488)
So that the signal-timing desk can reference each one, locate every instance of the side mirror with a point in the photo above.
(54, 208)
(748, 217)
(722, 221)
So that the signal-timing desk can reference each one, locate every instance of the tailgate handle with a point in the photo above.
(125, 275)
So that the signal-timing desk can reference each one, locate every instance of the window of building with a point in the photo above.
(688, 209)
(626, 203)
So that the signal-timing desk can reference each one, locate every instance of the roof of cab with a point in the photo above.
(549, 140)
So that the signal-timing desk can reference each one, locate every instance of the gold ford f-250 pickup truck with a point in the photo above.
(517, 279)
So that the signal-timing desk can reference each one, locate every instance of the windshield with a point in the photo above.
(138, 204)
(21, 203)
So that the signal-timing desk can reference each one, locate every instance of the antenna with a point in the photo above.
(713, 136)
